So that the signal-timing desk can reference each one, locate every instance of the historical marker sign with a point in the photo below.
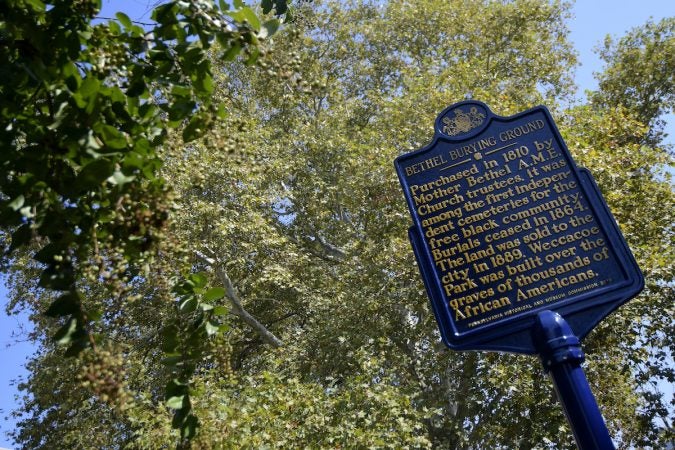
(505, 225)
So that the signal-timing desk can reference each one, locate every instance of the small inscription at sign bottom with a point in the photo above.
(506, 225)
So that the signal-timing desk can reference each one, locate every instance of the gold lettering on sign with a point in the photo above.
(425, 165)
(505, 222)
(521, 130)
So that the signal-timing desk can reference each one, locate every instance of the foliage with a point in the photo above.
(290, 203)
(639, 74)
(84, 107)
(358, 414)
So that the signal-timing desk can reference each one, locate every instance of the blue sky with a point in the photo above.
(593, 20)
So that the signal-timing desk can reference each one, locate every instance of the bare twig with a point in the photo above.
(145, 24)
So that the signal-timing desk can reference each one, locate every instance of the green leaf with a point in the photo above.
(222, 111)
(17, 203)
(194, 129)
(212, 328)
(204, 83)
(269, 28)
(124, 19)
(232, 52)
(181, 109)
(136, 87)
(180, 90)
(79, 100)
(76, 347)
(213, 294)
(93, 174)
(136, 82)
(281, 7)
(90, 86)
(71, 75)
(111, 136)
(172, 360)
(61, 114)
(27, 212)
(188, 429)
(221, 311)
(175, 388)
(114, 27)
(267, 6)
(253, 57)
(165, 13)
(198, 279)
(60, 279)
(93, 314)
(46, 254)
(142, 147)
(65, 334)
(169, 341)
(78, 344)
(21, 237)
(246, 14)
(189, 305)
(176, 402)
(119, 179)
(37, 5)
(65, 305)
(251, 17)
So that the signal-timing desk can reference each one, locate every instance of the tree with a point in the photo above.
(291, 205)
(84, 108)
(636, 91)
(639, 74)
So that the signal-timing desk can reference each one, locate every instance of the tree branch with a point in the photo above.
(237, 307)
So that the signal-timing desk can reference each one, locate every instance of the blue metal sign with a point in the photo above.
(505, 226)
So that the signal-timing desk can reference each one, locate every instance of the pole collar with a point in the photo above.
(555, 341)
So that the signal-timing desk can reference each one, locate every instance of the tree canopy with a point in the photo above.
(206, 217)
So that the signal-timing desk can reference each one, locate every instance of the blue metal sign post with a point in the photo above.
(561, 354)
(517, 249)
